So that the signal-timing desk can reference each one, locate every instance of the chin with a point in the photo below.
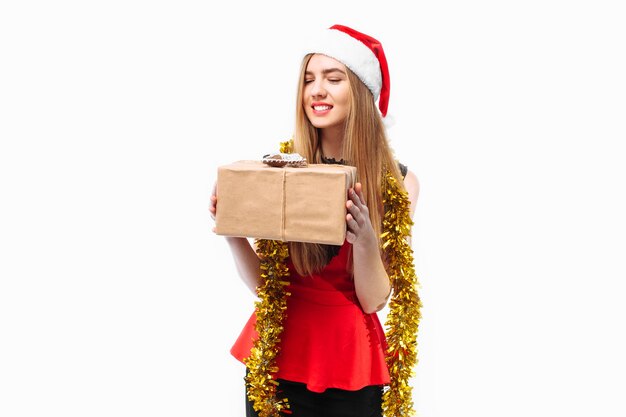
(323, 124)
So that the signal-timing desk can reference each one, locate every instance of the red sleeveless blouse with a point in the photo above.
(328, 341)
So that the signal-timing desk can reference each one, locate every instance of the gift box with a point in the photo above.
(303, 204)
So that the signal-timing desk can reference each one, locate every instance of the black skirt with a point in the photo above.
(334, 402)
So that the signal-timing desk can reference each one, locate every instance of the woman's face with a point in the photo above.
(326, 95)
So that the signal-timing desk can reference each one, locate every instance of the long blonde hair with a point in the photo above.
(365, 146)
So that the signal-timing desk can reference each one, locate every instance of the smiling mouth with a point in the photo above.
(322, 108)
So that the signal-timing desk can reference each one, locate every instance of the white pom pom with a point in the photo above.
(388, 121)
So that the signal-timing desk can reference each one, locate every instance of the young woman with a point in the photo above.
(328, 350)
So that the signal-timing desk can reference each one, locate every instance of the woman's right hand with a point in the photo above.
(213, 204)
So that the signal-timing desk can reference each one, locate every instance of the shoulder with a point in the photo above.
(412, 185)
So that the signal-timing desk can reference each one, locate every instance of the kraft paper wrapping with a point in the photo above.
(289, 204)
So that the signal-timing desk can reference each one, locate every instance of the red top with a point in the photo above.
(328, 341)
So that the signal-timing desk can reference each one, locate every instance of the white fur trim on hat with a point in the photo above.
(352, 53)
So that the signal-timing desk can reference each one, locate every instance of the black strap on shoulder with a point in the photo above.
(403, 169)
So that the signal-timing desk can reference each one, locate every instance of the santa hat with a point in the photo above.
(361, 53)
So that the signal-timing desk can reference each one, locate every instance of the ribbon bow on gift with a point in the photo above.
(285, 160)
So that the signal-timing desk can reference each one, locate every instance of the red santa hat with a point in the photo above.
(361, 53)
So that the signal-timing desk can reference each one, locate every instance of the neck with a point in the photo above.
(332, 142)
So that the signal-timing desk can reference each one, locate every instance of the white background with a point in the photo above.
(117, 300)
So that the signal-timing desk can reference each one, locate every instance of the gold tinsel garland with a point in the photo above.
(404, 308)
(286, 146)
(402, 320)
(270, 313)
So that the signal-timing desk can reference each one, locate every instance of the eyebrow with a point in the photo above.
(327, 71)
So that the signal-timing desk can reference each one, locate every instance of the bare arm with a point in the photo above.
(370, 278)
(246, 260)
(412, 186)
(371, 281)
(244, 254)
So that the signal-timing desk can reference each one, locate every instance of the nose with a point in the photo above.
(317, 89)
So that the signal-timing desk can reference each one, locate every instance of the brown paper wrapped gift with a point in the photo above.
(305, 204)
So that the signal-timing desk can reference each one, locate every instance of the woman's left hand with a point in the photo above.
(358, 220)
